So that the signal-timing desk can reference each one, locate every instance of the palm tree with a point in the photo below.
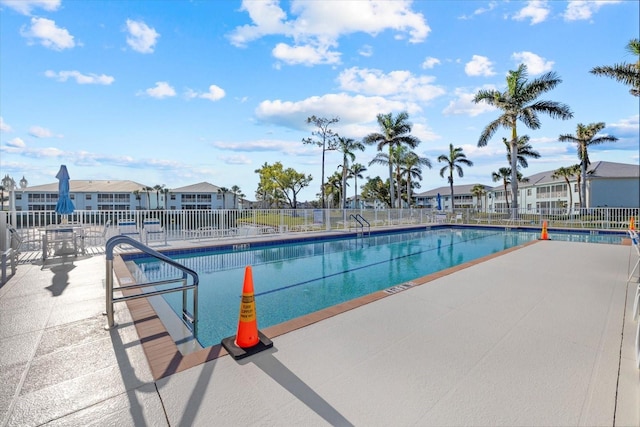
(625, 73)
(576, 170)
(394, 132)
(478, 191)
(158, 188)
(452, 161)
(524, 150)
(519, 103)
(223, 191)
(412, 168)
(333, 188)
(235, 190)
(584, 137)
(565, 173)
(355, 172)
(505, 175)
(148, 190)
(347, 146)
(327, 140)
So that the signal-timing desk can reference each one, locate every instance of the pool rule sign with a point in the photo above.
(248, 340)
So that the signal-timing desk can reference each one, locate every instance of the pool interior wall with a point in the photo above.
(269, 309)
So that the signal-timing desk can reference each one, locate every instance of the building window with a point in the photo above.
(173, 197)
(87, 197)
(528, 192)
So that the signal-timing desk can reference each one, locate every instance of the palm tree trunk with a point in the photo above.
(514, 170)
(392, 192)
(583, 184)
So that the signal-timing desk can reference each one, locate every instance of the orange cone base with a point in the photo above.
(236, 352)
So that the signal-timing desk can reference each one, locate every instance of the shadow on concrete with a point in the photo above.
(298, 388)
(60, 279)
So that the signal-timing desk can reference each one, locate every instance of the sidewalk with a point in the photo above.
(533, 337)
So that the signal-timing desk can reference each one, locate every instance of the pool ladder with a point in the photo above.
(190, 319)
(361, 223)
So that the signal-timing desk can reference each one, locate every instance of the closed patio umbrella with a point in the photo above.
(439, 199)
(64, 206)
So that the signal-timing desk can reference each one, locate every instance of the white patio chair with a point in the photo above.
(150, 227)
(128, 228)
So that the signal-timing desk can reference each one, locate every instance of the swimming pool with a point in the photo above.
(294, 279)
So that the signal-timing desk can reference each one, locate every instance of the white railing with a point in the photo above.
(206, 224)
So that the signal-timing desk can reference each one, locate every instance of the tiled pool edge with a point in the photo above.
(164, 357)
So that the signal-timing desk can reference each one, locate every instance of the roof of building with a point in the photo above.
(446, 190)
(201, 187)
(596, 170)
(91, 186)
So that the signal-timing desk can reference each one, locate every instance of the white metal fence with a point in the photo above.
(97, 226)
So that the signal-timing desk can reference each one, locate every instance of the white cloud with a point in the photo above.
(4, 127)
(582, 10)
(350, 109)
(479, 66)
(535, 64)
(396, 84)
(47, 34)
(536, 10)
(463, 103)
(82, 79)
(40, 132)
(366, 50)
(215, 93)
(141, 37)
(316, 26)
(305, 54)
(263, 145)
(236, 160)
(430, 62)
(161, 90)
(16, 143)
(492, 5)
(26, 6)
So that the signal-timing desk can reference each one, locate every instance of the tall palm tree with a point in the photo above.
(412, 168)
(355, 172)
(566, 174)
(625, 73)
(453, 161)
(478, 191)
(347, 146)
(586, 136)
(394, 132)
(524, 150)
(519, 103)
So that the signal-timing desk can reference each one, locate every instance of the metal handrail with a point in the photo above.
(190, 319)
(362, 221)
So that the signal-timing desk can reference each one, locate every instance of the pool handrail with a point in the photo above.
(361, 221)
(190, 319)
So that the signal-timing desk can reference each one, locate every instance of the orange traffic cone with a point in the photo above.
(248, 340)
(247, 335)
(545, 234)
(632, 223)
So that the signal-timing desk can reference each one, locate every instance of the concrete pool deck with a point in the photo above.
(542, 335)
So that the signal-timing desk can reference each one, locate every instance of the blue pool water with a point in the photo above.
(294, 279)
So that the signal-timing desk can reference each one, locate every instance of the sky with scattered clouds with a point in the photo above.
(174, 93)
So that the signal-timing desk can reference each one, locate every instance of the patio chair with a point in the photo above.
(128, 228)
(150, 227)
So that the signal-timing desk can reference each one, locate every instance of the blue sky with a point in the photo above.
(180, 92)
